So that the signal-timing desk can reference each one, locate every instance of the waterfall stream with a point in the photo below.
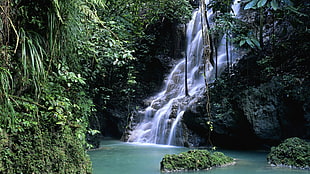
(161, 120)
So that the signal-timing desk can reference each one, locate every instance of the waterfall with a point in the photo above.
(160, 122)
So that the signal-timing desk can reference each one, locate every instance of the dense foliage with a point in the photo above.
(60, 61)
(260, 26)
(44, 109)
(293, 152)
(277, 33)
(64, 62)
(274, 35)
(138, 26)
(193, 160)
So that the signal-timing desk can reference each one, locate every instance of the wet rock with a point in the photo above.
(253, 117)
(261, 108)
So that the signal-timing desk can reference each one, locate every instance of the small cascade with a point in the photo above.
(160, 122)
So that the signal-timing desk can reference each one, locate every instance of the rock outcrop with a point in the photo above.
(249, 111)
(265, 96)
(293, 152)
(194, 160)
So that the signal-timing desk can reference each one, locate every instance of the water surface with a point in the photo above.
(117, 157)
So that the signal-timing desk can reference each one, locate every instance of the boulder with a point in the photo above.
(293, 152)
(194, 160)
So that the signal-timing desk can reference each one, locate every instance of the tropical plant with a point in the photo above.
(274, 4)
(59, 60)
(44, 104)
(277, 7)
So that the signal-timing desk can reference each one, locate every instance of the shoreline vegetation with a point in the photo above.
(293, 153)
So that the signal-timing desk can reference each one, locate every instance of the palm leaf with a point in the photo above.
(6, 106)
(32, 56)
(57, 10)
(261, 3)
(250, 5)
(274, 5)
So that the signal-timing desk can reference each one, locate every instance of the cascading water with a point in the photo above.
(160, 122)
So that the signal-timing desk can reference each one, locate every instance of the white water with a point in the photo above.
(161, 120)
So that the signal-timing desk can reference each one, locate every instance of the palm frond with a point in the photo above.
(6, 106)
(32, 58)
(58, 10)
(99, 3)
(6, 84)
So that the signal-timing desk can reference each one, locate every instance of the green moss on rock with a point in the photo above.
(38, 151)
(193, 160)
(293, 152)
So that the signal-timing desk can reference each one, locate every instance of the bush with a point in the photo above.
(193, 160)
(293, 152)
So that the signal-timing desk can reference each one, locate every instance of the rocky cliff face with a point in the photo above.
(266, 97)
(273, 113)
(250, 110)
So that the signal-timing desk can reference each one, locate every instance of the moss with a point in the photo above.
(41, 151)
(193, 160)
(293, 152)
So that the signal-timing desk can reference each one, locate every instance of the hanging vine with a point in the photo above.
(207, 58)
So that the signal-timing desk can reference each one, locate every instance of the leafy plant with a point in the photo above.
(44, 105)
(293, 152)
(193, 160)
(274, 4)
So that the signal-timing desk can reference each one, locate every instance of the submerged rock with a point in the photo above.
(194, 160)
(293, 152)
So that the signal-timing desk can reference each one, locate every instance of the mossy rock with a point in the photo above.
(194, 160)
(293, 152)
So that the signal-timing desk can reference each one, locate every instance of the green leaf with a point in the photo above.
(242, 42)
(274, 5)
(249, 42)
(288, 2)
(256, 42)
(261, 3)
(250, 5)
(131, 82)
(60, 123)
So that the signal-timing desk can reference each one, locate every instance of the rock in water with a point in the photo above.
(194, 160)
(293, 152)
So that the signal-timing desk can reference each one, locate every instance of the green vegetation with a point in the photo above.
(44, 107)
(267, 28)
(193, 160)
(60, 62)
(273, 33)
(293, 152)
(64, 62)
